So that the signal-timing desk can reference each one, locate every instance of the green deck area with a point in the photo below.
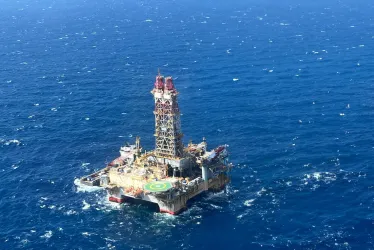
(158, 186)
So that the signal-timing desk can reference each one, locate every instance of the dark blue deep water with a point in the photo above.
(287, 84)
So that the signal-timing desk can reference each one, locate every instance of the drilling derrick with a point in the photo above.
(167, 119)
(171, 174)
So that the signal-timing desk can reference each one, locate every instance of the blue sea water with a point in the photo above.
(287, 84)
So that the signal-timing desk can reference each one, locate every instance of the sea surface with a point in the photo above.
(287, 84)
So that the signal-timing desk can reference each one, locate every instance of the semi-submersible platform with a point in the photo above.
(172, 173)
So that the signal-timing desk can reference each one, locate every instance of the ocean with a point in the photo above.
(288, 85)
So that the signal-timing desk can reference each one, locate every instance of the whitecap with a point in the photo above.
(85, 205)
(263, 190)
(20, 128)
(240, 216)
(317, 175)
(215, 206)
(325, 177)
(235, 79)
(70, 212)
(47, 235)
(85, 164)
(24, 241)
(248, 203)
(14, 141)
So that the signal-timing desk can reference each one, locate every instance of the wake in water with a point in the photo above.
(84, 188)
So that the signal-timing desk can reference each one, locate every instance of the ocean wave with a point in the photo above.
(47, 235)
(10, 142)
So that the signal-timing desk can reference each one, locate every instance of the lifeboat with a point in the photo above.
(116, 199)
(138, 192)
(129, 190)
(117, 162)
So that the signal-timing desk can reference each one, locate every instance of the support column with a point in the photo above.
(205, 176)
(175, 207)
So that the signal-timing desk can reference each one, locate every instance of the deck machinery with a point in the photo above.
(172, 173)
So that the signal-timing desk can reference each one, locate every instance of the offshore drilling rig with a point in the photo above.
(171, 174)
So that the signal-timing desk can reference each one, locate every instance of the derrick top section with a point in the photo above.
(163, 84)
